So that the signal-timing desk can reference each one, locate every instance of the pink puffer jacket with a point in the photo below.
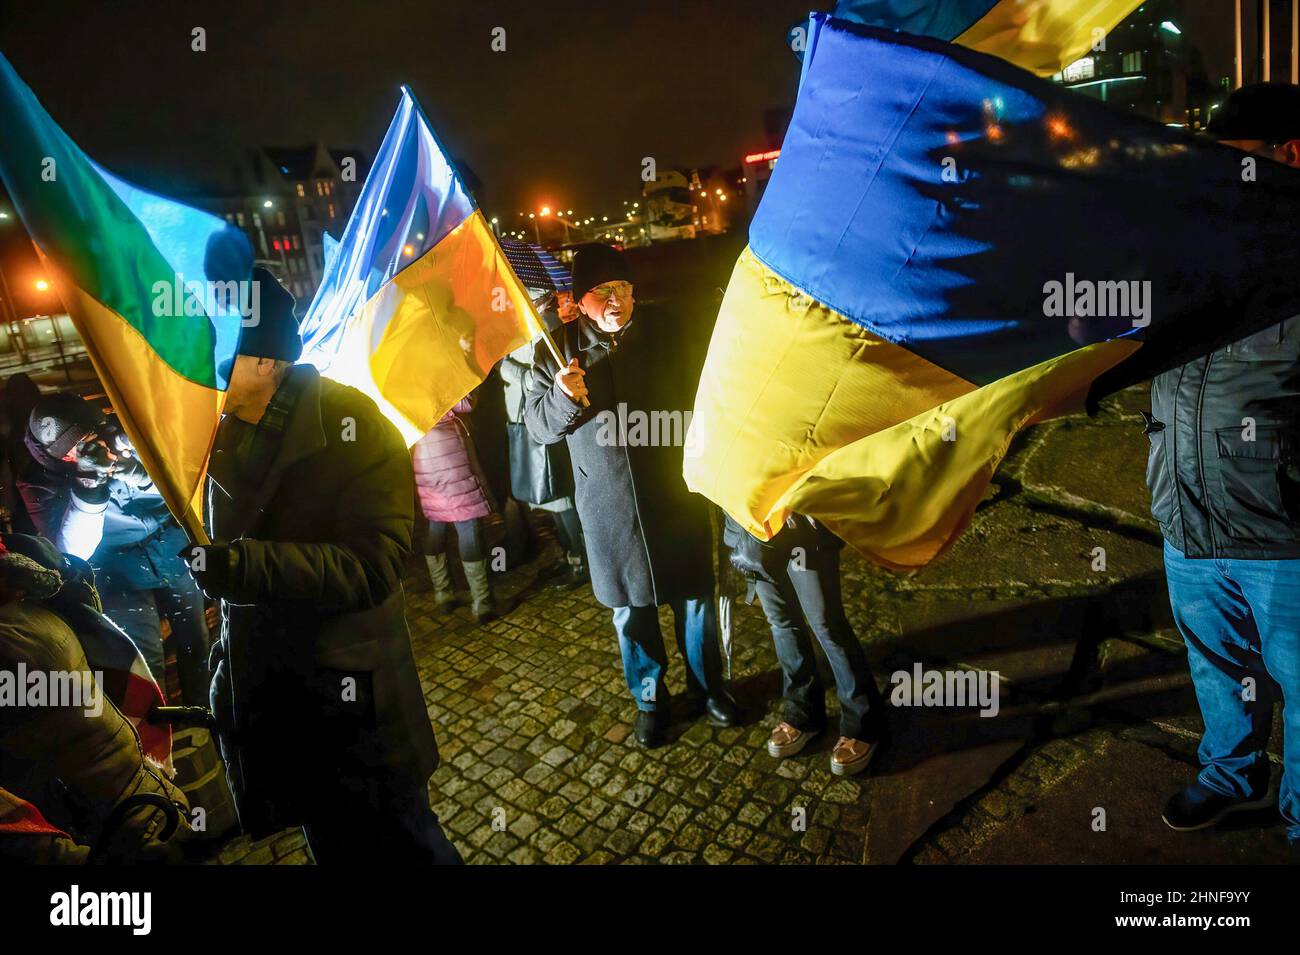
(447, 473)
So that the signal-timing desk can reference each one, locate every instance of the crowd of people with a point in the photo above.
(291, 625)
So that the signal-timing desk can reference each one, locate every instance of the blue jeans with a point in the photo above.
(1241, 622)
(645, 661)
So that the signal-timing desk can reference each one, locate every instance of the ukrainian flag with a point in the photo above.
(417, 303)
(950, 249)
(1040, 35)
(154, 288)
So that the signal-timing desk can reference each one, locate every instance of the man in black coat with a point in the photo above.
(623, 403)
(1224, 473)
(317, 700)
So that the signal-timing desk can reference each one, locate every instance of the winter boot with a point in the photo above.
(444, 592)
(485, 607)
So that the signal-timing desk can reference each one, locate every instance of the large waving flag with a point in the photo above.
(154, 287)
(950, 249)
(417, 303)
(1039, 35)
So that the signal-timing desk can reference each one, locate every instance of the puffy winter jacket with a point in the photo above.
(76, 764)
(447, 473)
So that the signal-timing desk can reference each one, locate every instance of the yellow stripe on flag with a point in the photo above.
(171, 419)
(800, 409)
(433, 333)
(1044, 35)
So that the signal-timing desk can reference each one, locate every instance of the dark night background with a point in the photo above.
(685, 83)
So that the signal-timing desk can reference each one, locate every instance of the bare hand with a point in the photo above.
(570, 380)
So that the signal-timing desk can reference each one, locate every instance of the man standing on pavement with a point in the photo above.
(1224, 474)
(627, 381)
(318, 704)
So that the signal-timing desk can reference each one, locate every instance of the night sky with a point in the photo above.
(583, 91)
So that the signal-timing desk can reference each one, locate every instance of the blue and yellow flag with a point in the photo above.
(1039, 35)
(950, 249)
(417, 302)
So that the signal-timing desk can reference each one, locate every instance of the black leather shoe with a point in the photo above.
(722, 710)
(1199, 807)
(651, 727)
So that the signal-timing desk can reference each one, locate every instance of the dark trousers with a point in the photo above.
(382, 818)
(569, 530)
(469, 537)
(813, 593)
(140, 614)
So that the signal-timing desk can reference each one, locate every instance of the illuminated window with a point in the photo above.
(301, 191)
(297, 242)
(332, 210)
(279, 218)
(1081, 69)
(1133, 62)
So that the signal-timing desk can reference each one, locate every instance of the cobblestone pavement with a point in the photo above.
(1097, 723)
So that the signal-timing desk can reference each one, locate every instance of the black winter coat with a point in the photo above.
(316, 600)
(1224, 468)
(649, 539)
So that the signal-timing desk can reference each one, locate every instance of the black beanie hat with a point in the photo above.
(1267, 111)
(594, 264)
(59, 421)
(274, 333)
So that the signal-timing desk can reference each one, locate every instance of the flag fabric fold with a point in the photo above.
(1039, 35)
(950, 249)
(154, 288)
(417, 302)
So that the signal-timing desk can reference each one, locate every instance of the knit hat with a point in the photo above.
(60, 421)
(595, 264)
(274, 330)
(20, 572)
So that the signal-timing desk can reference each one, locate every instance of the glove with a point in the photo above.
(212, 566)
(132, 473)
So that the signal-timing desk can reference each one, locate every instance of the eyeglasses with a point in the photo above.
(621, 289)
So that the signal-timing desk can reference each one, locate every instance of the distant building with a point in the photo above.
(285, 200)
(1148, 67)
(687, 203)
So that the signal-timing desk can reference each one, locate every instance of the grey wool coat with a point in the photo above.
(649, 539)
